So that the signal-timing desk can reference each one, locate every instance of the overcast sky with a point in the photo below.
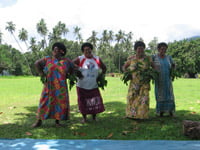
(168, 20)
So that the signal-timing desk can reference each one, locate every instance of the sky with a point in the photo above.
(168, 20)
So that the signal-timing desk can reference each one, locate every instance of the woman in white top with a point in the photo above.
(89, 97)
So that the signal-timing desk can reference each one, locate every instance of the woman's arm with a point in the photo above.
(103, 66)
(39, 65)
(76, 62)
(126, 65)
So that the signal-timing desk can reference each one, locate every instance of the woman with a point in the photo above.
(89, 97)
(138, 92)
(163, 85)
(54, 101)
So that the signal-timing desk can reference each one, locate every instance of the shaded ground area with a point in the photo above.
(111, 124)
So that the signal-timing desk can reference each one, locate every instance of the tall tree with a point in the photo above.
(110, 36)
(42, 30)
(119, 36)
(128, 43)
(119, 46)
(77, 34)
(62, 29)
(23, 36)
(93, 39)
(105, 37)
(58, 31)
(11, 28)
(34, 47)
(186, 54)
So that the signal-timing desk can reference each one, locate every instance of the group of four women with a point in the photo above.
(54, 101)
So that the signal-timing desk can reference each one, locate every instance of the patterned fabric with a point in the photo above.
(163, 85)
(138, 93)
(90, 101)
(54, 101)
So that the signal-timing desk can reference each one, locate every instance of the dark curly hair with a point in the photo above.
(60, 46)
(138, 44)
(162, 44)
(87, 44)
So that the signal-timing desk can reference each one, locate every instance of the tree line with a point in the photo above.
(113, 48)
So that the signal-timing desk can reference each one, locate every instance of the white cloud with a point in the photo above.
(166, 19)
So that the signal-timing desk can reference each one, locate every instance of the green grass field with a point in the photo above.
(19, 99)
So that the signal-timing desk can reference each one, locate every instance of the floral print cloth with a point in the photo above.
(138, 92)
(54, 101)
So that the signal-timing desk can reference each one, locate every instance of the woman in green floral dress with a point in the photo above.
(138, 92)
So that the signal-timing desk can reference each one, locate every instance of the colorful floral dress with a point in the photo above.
(138, 92)
(54, 101)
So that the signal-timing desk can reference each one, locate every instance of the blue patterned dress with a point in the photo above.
(54, 101)
(163, 85)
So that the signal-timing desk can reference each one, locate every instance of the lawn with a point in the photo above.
(19, 98)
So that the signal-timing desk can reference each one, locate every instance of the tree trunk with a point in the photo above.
(191, 129)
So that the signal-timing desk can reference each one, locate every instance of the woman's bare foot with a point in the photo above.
(161, 114)
(84, 118)
(38, 123)
(83, 121)
(171, 114)
(94, 117)
(58, 123)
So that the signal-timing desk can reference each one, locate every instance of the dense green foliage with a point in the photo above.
(113, 48)
(20, 99)
(186, 54)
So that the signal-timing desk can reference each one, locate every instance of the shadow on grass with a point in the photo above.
(111, 124)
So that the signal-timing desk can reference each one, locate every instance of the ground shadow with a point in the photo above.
(111, 124)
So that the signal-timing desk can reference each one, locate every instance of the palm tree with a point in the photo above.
(77, 34)
(11, 28)
(120, 36)
(58, 31)
(55, 35)
(23, 36)
(105, 37)
(63, 30)
(93, 39)
(110, 36)
(34, 47)
(120, 40)
(128, 44)
(42, 30)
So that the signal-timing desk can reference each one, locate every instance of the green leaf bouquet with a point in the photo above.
(101, 81)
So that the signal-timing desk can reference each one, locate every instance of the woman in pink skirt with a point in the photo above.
(89, 97)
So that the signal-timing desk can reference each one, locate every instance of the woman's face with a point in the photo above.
(58, 52)
(140, 51)
(162, 50)
(87, 51)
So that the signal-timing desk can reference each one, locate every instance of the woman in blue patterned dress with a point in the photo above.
(163, 84)
(54, 101)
